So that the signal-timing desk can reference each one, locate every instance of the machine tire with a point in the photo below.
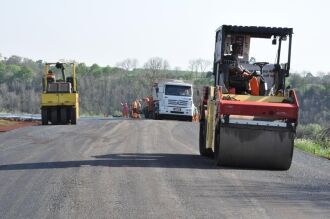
(203, 151)
(63, 115)
(44, 116)
(73, 116)
(286, 164)
(217, 145)
(202, 137)
(53, 116)
(227, 153)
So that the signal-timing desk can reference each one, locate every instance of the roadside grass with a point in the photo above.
(313, 147)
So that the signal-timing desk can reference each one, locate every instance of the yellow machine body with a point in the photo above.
(61, 99)
(58, 106)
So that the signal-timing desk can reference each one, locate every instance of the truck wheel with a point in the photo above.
(44, 116)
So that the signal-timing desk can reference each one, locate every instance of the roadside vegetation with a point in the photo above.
(314, 139)
(103, 89)
(313, 147)
(313, 132)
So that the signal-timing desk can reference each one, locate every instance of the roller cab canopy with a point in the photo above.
(255, 31)
(249, 39)
(227, 35)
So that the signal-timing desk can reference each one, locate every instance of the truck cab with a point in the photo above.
(173, 99)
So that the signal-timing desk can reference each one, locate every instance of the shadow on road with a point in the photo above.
(160, 160)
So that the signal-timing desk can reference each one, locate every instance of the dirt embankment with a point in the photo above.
(10, 124)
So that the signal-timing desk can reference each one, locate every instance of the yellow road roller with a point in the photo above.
(59, 98)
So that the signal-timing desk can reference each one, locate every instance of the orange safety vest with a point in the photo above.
(254, 86)
(134, 105)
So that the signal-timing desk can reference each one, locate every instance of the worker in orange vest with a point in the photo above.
(150, 104)
(195, 114)
(136, 106)
(124, 110)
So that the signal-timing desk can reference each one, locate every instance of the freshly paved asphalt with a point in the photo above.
(146, 169)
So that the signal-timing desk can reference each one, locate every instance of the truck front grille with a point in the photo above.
(177, 102)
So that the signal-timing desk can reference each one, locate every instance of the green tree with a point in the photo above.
(24, 74)
(14, 60)
(95, 69)
(82, 69)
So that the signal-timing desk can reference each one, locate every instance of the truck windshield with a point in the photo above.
(177, 90)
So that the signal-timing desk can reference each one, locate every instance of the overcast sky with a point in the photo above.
(108, 31)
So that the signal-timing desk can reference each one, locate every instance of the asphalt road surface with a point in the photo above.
(146, 169)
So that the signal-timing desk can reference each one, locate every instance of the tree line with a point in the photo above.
(102, 89)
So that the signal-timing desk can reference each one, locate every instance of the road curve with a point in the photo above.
(146, 169)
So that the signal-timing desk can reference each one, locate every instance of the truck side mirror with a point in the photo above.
(274, 41)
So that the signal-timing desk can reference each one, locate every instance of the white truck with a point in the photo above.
(173, 99)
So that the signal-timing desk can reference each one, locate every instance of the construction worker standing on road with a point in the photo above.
(134, 109)
(148, 106)
(126, 110)
(138, 108)
(122, 110)
(195, 113)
